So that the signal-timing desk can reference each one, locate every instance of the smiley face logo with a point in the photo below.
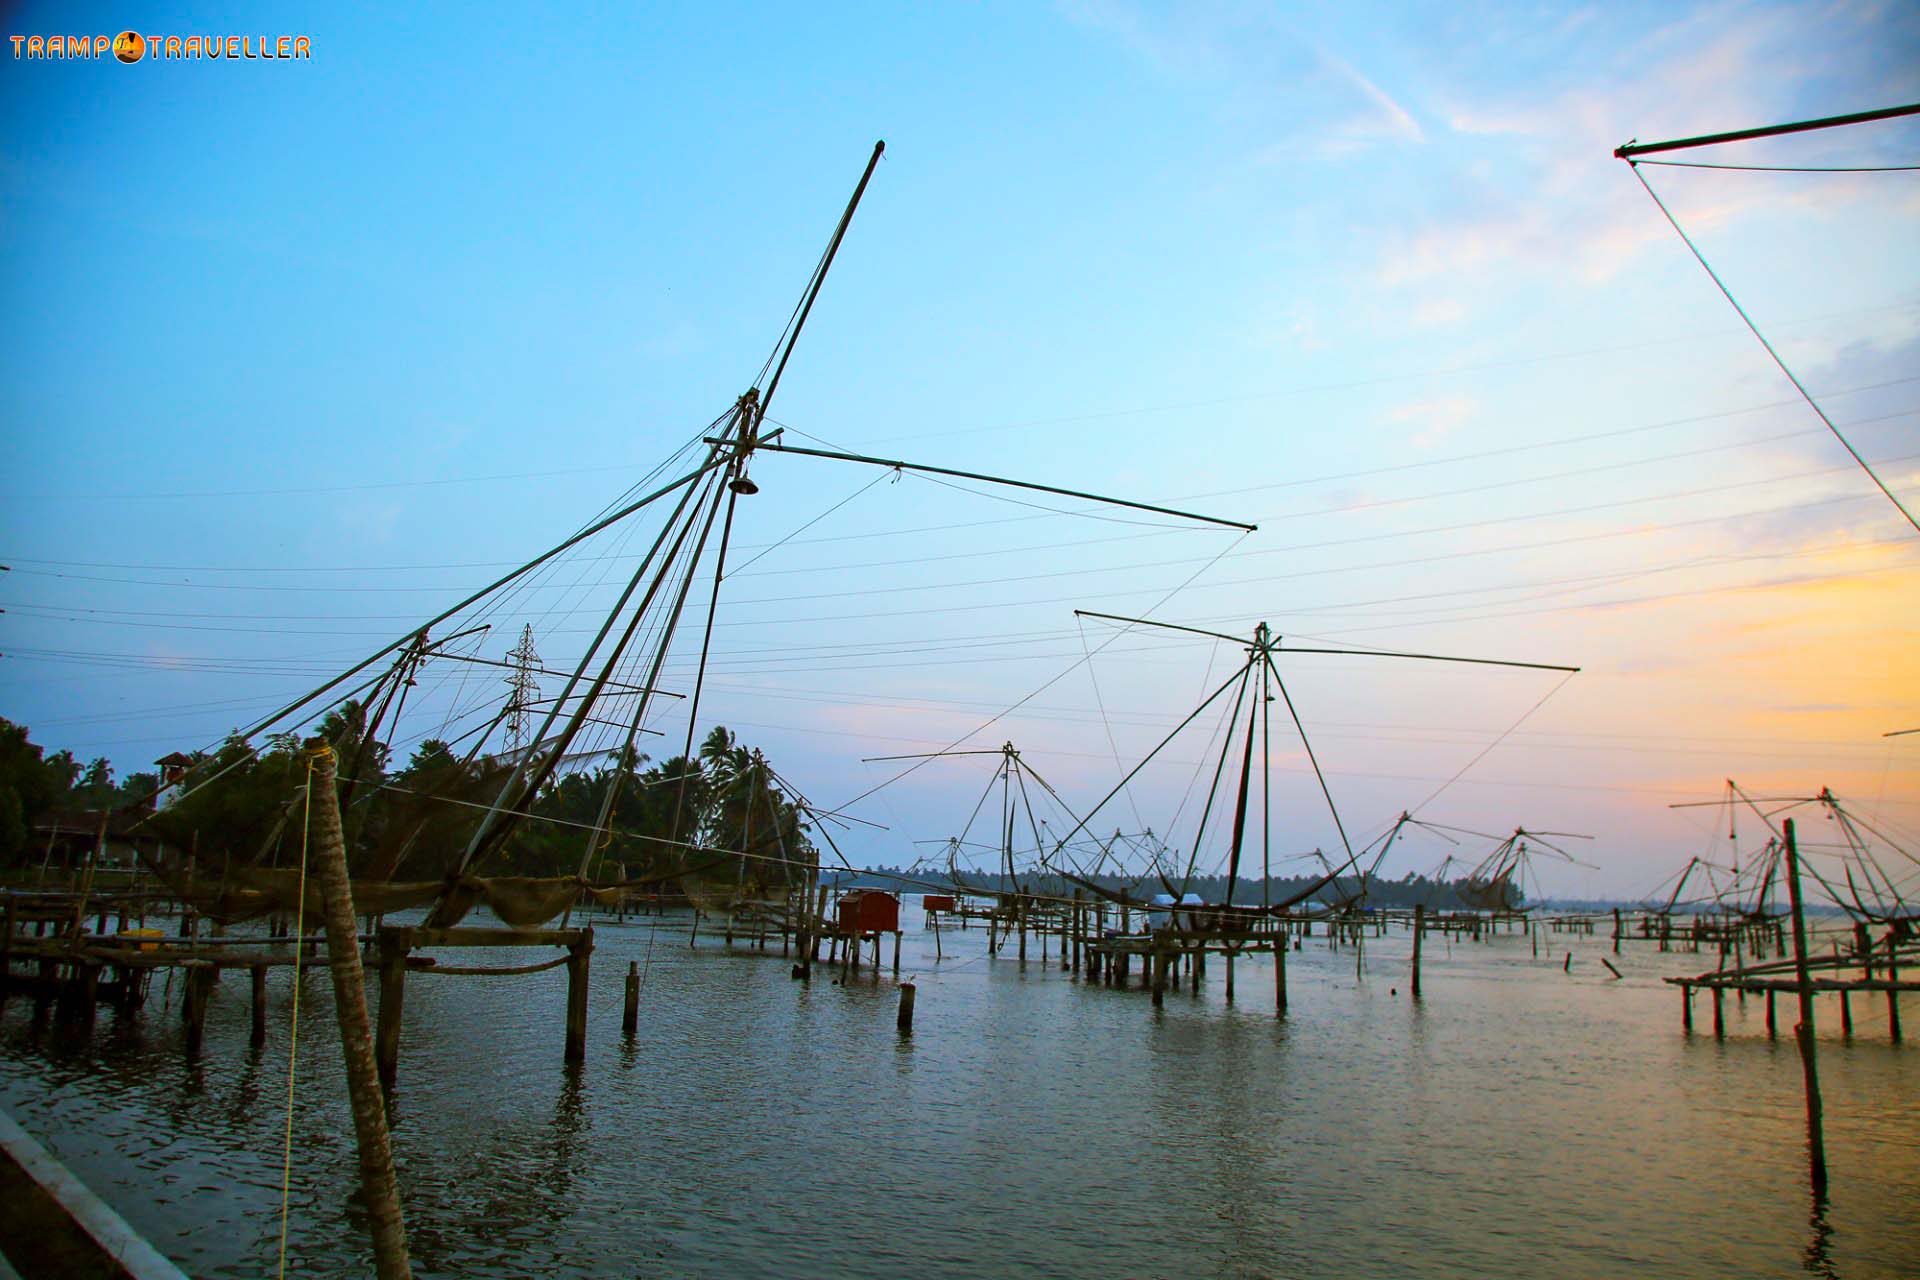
(129, 46)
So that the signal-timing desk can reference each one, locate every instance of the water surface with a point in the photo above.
(1519, 1120)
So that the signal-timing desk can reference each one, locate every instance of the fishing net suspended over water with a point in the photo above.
(522, 902)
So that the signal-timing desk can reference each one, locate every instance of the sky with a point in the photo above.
(302, 351)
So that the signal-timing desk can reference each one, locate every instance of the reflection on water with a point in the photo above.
(1518, 1119)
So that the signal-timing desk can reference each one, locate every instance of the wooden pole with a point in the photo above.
(904, 1019)
(1280, 977)
(1809, 1063)
(393, 997)
(6, 953)
(1893, 994)
(379, 1192)
(819, 922)
(259, 1031)
(1419, 928)
(630, 1016)
(578, 954)
(193, 1003)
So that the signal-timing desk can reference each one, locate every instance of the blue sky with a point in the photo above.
(299, 350)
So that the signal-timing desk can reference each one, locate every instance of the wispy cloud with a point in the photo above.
(1436, 417)
(1388, 116)
(1549, 202)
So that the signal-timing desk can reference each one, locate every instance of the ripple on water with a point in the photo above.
(1519, 1120)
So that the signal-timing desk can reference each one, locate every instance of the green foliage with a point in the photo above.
(243, 807)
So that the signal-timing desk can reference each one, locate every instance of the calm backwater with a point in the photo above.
(1521, 1120)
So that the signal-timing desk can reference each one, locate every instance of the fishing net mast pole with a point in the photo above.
(1631, 151)
(1260, 650)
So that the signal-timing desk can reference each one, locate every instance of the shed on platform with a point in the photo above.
(869, 911)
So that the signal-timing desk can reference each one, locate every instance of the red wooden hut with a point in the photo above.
(864, 911)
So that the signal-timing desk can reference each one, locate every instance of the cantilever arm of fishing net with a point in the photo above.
(896, 464)
(713, 460)
(1631, 153)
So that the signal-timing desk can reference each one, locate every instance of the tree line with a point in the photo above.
(720, 814)
(1408, 891)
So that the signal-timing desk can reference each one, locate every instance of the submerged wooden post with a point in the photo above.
(630, 1016)
(1686, 1006)
(896, 952)
(1616, 931)
(394, 946)
(819, 922)
(578, 954)
(258, 1036)
(1772, 1027)
(1719, 1013)
(1280, 977)
(198, 986)
(380, 1193)
(1893, 994)
(1809, 1063)
(1159, 977)
(904, 1019)
(1419, 928)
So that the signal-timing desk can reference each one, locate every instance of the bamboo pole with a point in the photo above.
(381, 1194)
(1809, 1062)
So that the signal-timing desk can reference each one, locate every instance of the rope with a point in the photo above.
(1755, 330)
(293, 1042)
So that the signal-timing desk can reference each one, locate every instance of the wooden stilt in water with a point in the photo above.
(394, 946)
(379, 1192)
(1772, 1027)
(578, 956)
(903, 1021)
(630, 1013)
(1229, 977)
(1280, 978)
(1893, 996)
(258, 1035)
(812, 949)
(1846, 1014)
(896, 952)
(1419, 928)
(193, 1003)
(1160, 960)
(1810, 1066)
(1719, 1014)
(1686, 1008)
